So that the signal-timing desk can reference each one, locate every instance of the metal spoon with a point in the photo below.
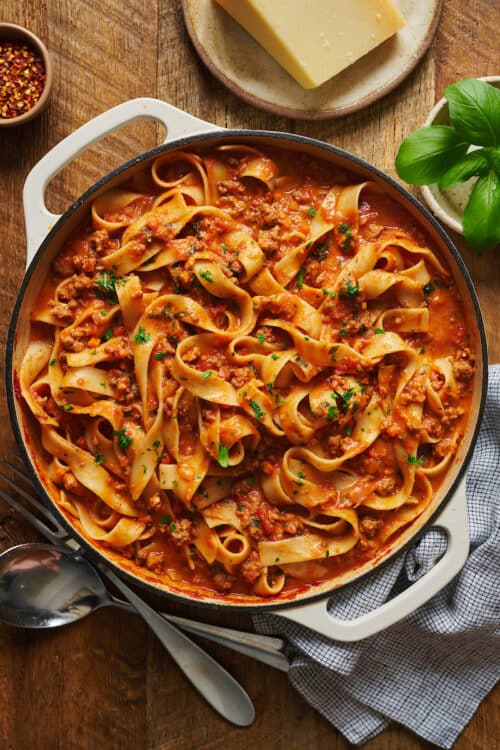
(42, 586)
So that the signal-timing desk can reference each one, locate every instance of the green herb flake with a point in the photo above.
(141, 337)
(261, 338)
(379, 330)
(300, 277)
(333, 413)
(164, 520)
(160, 355)
(312, 212)
(351, 289)
(207, 276)
(53, 362)
(98, 458)
(414, 461)
(172, 527)
(223, 456)
(106, 282)
(67, 407)
(256, 409)
(250, 480)
(108, 333)
(123, 439)
(275, 356)
(206, 374)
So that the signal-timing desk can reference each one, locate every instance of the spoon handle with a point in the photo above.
(211, 680)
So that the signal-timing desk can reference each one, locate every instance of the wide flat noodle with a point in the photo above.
(245, 365)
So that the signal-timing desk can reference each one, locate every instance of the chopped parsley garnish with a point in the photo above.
(351, 289)
(300, 278)
(276, 559)
(172, 527)
(156, 444)
(421, 350)
(98, 458)
(53, 362)
(250, 480)
(206, 374)
(141, 336)
(261, 338)
(275, 356)
(329, 293)
(256, 409)
(414, 461)
(67, 407)
(165, 519)
(348, 431)
(106, 282)
(108, 333)
(333, 413)
(379, 330)
(123, 439)
(206, 275)
(312, 212)
(223, 456)
(160, 355)
(345, 229)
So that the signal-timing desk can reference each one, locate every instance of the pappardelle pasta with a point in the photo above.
(251, 372)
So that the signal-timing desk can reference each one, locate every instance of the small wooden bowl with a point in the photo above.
(11, 32)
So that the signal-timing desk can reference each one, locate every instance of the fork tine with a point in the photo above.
(29, 516)
(45, 512)
(29, 498)
(18, 472)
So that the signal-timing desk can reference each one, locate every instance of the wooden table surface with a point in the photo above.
(105, 683)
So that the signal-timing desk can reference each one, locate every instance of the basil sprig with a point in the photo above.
(440, 153)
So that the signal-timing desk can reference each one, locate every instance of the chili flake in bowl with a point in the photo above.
(25, 75)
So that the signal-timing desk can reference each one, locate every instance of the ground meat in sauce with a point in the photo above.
(278, 214)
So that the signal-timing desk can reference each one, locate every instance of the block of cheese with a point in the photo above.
(316, 39)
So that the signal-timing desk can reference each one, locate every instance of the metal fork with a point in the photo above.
(260, 647)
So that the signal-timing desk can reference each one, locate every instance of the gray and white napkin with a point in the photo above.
(430, 671)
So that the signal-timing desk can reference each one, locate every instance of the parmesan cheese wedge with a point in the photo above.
(314, 41)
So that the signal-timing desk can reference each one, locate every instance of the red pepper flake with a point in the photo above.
(22, 79)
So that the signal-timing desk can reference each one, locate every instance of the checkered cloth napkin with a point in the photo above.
(430, 671)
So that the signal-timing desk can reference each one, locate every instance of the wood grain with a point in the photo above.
(106, 682)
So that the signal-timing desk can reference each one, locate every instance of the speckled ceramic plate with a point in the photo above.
(242, 65)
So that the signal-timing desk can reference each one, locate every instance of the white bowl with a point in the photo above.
(448, 205)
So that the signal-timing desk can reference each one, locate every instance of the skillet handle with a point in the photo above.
(38, 219)
(454, 521)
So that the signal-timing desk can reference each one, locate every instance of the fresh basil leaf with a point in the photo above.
(475, 163)
(481, 219)
(475, 111)
(425, 155)
(494, 157)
